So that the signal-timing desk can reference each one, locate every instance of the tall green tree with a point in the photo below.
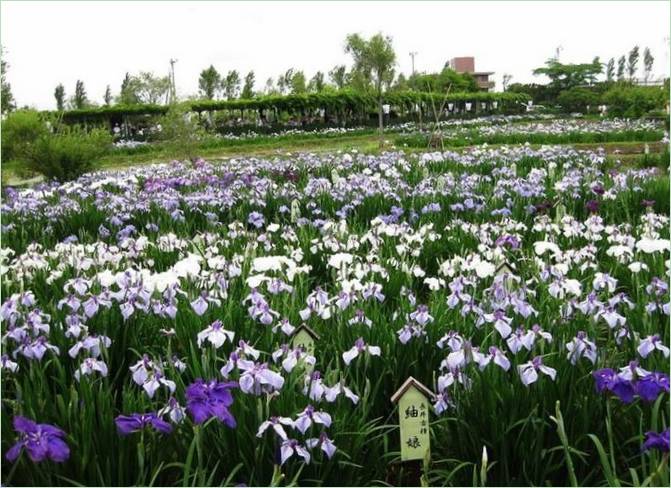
(598, 69)
(79, 100)
(438, 82)
(107, 98)
(151, 88)
(284, 81)
(248, 88)
(506, 80)
(59, 95)
(270, 86)
(231, 85)
(127, 94)
(338, 76)
(376, 58)
(620, 68)
(565, 76)
(209, 82)
(632, 62)
(317, 84)
(145, 87)
(401, 83)
(610, 69)
(7, 98)
(648, 61)
(298, 83)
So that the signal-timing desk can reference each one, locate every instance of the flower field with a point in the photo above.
(150, 316)
(552, 131)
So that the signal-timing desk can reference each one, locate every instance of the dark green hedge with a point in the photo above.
(343, 100)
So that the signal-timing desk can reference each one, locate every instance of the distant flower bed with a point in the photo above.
(559, 131)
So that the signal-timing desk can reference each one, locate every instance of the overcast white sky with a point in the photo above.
(47, 43)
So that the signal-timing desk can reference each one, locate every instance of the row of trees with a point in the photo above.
(214, 85)
(147, 88)
(565, 76)
(587, 78)
(629, 65)
(144, 88)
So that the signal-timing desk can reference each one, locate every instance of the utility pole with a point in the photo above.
(559, 49)
(419, 105)
(173, 88)
(412, 55)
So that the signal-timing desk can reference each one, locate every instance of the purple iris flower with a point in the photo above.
(256, 219)
(598, 189)
(660, 441)
(212, 399)
(592, 206)
(649, 387)
(604, 379)
(508, 240)
(135, 422)
(624, 390)
(41, 441)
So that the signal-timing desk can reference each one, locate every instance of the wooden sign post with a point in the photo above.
(304, 337)
(413, 411)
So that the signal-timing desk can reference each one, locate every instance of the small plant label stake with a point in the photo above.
(304, 337)
(413, 411)
(295, 210)
(560, 212)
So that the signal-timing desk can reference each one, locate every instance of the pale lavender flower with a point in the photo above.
(313, 386)
(173, 410)
(651, 343)
(529, 371)
(291, 447)
(360, 318)
(309, 416)
(331, 393)
(373, 290)
(89, 367)
(257, 378)
(277, 424)
(360, 347)
(421, 315)
(200, 304)
(285, 327)
(295, 356)
(581, 346)
(215, 334)
(453, 339)
(92, 344)
(324, 443)
(501, 322)
(8, 364)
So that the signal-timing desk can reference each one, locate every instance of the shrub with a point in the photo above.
(19, 130)
(578, 99)
(634, 101)
(180, 133)
(68, 154)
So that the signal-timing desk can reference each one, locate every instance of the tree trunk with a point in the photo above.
(379, 118)
(420, 115)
